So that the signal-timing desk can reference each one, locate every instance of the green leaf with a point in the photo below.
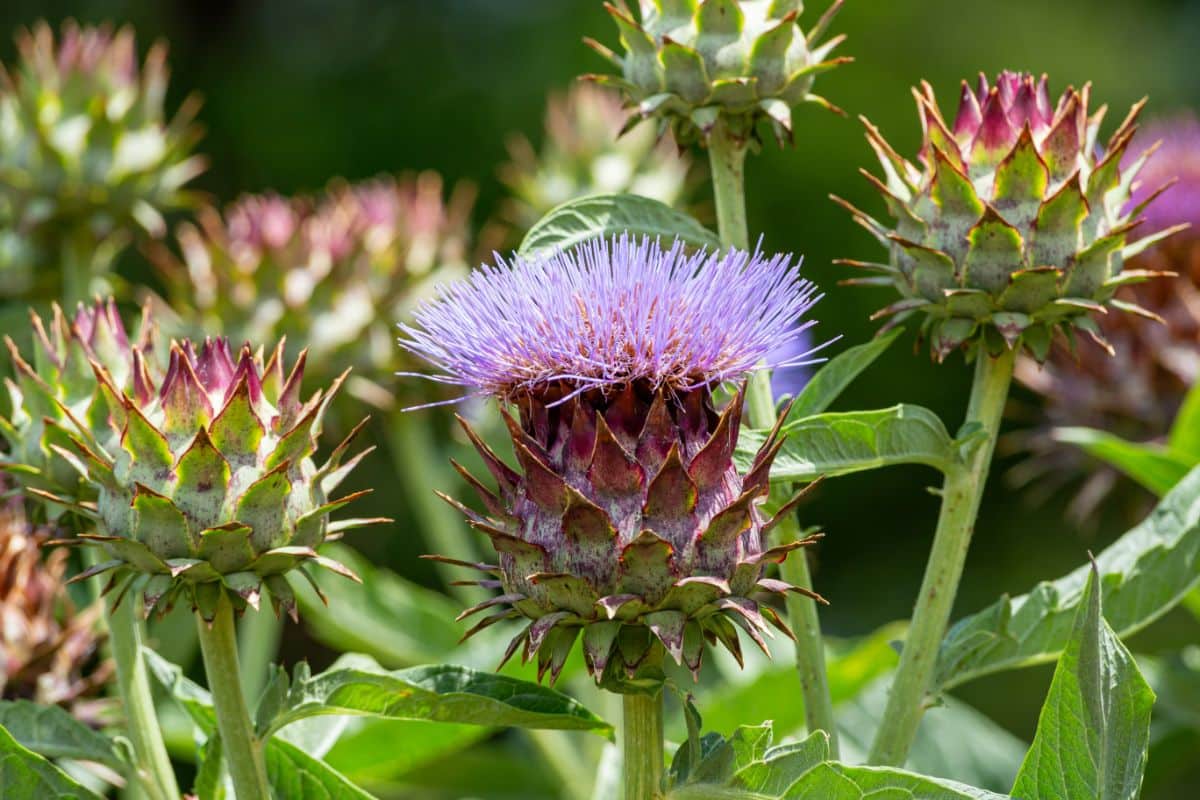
(1094, 729)
(52, 732)
(604, 215)
(833, 378)
(210, 776)
(780, 766)
(1154, 467)
(194, 699)
(296, 775)
(1144, 574)
(834, 781)
(440, 693)
(372, 749)
(24, 775)
(1185, 432)
(839, 444)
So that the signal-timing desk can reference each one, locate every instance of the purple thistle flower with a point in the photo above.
(629, 522)
(615, 312)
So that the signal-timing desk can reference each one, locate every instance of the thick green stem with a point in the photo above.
(259, 633)
(727, 161)
(242, 748)
(156, 776)
(422, 469)
(961, 493)
(643, 745)
(727, 158)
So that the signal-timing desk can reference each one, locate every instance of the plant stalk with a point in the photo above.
(156, 776)
(422, 469)
(961, 495)
(242, 748)
(259, 634)
(643, 745)
(727, 158)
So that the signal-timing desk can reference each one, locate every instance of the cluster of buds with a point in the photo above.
(87, 151)
(589, 149)
(692, 63)
(195, 463)
(1016, 223)
(1136, 391)
(47, 646)
(628, 522)
(333, 272)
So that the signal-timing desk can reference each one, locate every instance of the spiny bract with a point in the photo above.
(86, 149)
(60, 386)
(691, 63)
(1016, 223)
(202, 473)
(628, 521)
(333, 271)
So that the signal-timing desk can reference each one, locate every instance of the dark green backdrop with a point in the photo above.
(297, 91)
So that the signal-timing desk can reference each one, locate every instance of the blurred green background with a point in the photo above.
(298, 91)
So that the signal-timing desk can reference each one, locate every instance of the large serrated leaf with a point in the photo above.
(833, 378)
(298, 776)
(604, 215)
(1094, 729)
(24, 775)
(1153, 466)
(51, 732)
(438, 693)
(1144, 574)
(828, 445)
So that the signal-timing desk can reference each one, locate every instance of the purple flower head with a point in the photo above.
(1177, 159)
(612, 313)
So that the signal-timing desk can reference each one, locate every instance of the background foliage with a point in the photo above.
(297, 91)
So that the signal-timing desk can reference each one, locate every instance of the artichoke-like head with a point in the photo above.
(203, 475)
(86, 146)
(690, 63)
(627, 522)
(1017, 221)
(586, 152)
(1137, 392)
(333, 271)
(57, 386)
(48, 650)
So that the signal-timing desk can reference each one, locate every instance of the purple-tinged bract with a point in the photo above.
(628, 521)
(1015, 224)
(1136, 392)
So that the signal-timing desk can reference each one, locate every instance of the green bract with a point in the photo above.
(1016, 223)
(86, 148)
(202, 473)
(689, 63)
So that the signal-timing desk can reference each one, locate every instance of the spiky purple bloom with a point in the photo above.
(611, 313)
(629, 522)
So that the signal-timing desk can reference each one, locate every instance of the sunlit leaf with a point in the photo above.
(1094, 729)
(833, 377)
(604, 215)
(52, 732)
(1153, 466)
(24, 775)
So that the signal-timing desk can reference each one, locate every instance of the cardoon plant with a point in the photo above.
(88, 153)
(1014, 228)
(627, 522)
(715, 72)
(197, 473)
(1137, 390)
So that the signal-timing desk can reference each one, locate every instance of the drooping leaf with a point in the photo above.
(24, 775)
(194, 699)
(1144, 574)
(52, 732)
(839, 444)
(438, 693)
(211, 778)
(1153, 466)
(1094, 729)
(834, 781)
(604, 215)
(833, 378)
(376, 749)
(296, 775)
